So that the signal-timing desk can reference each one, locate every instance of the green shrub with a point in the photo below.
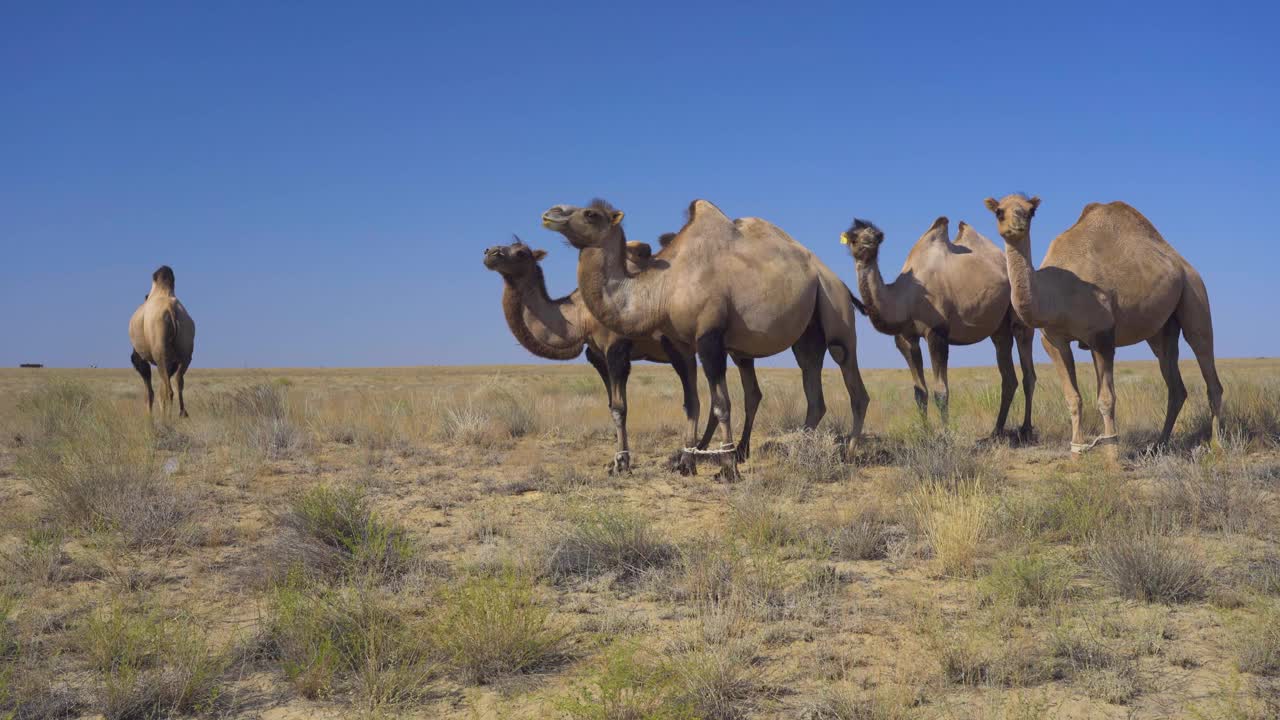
(334, 532)
(1027, 579)
(604, 540)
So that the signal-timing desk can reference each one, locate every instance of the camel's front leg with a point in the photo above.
(686, 367)
(910, 349)
(751, 400)
(1059, 350)
(714, 356)
(939, 353)
(1008, 377)
(618, 359)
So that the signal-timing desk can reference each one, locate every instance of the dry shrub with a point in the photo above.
(1216, 492)
(1028, 578)
(263, 413)
(977, 656)
(96, 470)
(488, 415)
(943, 458)
(812, 456)
(334, 532)
(865, 534)
(764, 521)
(845, 701)
(149, 666)
(1147, 566)
(1075, 507)
(954, 523)
(1107, 673)
(38, 557)
(1257, 640)
(489, 627)
(603, 540)
(330, 640)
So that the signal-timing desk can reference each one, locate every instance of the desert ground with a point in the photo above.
(445, 543)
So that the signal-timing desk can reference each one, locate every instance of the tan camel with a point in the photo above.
(558, 329)
(949, 294)
(163, 334)
(1110, 280)
(728, 287)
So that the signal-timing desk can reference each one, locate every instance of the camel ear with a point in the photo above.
(538, 255)
(1035, 203)
(617, 218)
(991, 204)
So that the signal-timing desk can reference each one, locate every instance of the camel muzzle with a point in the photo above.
(556, 217)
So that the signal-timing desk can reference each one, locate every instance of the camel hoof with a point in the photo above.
(1025, 436)
(621, 463)
(743, 453)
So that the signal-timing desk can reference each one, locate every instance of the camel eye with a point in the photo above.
(1000, 214)
(593, 215)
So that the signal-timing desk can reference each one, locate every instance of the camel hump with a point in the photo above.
(163, 276)
(1123, 212)
(942, 222)
(708, 221)
(639, 249)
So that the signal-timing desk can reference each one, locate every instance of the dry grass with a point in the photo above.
(445, 543)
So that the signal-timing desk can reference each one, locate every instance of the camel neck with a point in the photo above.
(547, 328)
(1022, 282)
(158, 290)
(625, 303)
(886, 312)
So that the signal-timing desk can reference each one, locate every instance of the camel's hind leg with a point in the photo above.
(939, 355)
(686, 367)
(1059, 350)
(1003, 341)
(715, 360)
(910, 349)
(618, 359)
(179, 373)
(1165, 347)
(1022, 335)
(751, 402)
(837, 316)
(809, 351)
(1104, 360)
(144, 369)
(165, 368)
(1197, 327)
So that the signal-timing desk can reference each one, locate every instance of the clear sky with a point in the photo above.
(323, 178)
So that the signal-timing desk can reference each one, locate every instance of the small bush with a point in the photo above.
(1074, 507)
(263, 412)
(813, 456)
(1027, 579)
(488, 627)
(489, 414)
(976, 657)
(716, 684)
(605, 540)
(628, 684)
(764, 522)
(148, 666)
(954, 524)
(846, 702)
(1209, 492)
(943, 459)
(1258, 641)
(865, 535)
(38, 559)
(1150, 567)
(334, 532)
(1105, 673)
(347, 639)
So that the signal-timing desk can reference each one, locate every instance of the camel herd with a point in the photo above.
(745, 289)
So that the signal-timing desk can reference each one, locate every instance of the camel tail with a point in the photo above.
(857, 304)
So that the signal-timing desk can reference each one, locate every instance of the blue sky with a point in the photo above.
(323, 179)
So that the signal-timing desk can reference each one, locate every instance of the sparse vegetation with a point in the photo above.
(445, 543)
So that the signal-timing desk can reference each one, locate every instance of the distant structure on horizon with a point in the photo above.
(32, 365)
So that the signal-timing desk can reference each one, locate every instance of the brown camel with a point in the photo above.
(729, 287)
(558, 329)
(949, 294)
(163, 334)
(1110, 280)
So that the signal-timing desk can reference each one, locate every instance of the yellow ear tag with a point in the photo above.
(844, 238)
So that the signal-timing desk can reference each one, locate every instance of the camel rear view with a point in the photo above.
(162, 334)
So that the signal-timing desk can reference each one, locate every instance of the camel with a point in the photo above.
(949, 294)
(740, 288)
(163, 334)
(1109, 281)
(558, 329)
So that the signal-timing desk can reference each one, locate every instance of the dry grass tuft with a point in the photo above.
(1150, 567)
(334, 532)
(489, 627)
(954, 523)
(601, 540)
(1028, 578)
(1257, 640)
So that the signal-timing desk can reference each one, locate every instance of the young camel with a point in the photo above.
(949, 294)
(729, 287)
(1109, 281)
(163, 334)
(558, 329)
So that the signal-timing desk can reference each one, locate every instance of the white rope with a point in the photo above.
(725, 449)
(1079, 448)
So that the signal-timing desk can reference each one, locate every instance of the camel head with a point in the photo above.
(513, 261)
(863, 239)
(162, 281)
(584, 227)
(1013, 216)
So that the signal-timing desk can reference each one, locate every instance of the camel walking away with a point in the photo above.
(558, 329)
(740, 288)
(162, 334)
(949, 294)
(1109, 281)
